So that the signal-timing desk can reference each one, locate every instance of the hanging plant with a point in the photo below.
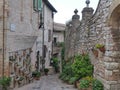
(101, 47)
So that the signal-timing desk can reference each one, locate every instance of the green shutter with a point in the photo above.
(39, 5)
(35, 5)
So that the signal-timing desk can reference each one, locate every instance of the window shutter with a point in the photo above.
(35, 5)
(39, 5)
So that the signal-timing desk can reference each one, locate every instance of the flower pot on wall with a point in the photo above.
(102, 49)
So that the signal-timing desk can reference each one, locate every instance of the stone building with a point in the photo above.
(101, 27)
(58, 37)
(58, 32)
(44, 41)
(58, 41)
(21, 32)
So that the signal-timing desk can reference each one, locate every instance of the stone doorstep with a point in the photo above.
(51, 70)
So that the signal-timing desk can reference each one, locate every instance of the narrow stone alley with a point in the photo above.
(50, 82)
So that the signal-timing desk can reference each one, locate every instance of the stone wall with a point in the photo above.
(102, 27)
(3, 29)
(1, 35)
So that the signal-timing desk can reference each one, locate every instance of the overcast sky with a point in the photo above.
(66, 8)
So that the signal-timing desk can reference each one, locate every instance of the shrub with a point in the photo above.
(46, 70)
(5, 82)
(72, 80)
(79, 68)
(82, 66)
(97, 85)
(67, 72)
(36, 74)
(55, 64)
(84, 83)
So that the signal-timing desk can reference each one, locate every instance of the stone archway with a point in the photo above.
(113, 66)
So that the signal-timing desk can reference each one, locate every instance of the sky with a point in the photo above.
(66, 8)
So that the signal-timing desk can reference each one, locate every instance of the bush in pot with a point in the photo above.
(82, 66)
(46, 70)
(36, 75)
(86, 83)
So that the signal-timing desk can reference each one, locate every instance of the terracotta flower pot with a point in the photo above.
(89, 88)
(102, 49)
(37, 78)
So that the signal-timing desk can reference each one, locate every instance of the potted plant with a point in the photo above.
(101, 47)
(46, 70)
(86, 83)
(5, 82)
(21, 78)
(36, 75)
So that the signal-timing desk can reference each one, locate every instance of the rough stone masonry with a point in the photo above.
(102, 27)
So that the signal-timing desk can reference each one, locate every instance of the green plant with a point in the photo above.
(55, 64)
(97, 85)
(36, 74)
(60, 44)
(63, 55)
(67, 72)
(72, 80)
(99, 46)
(21, 78)
(89, 78)
(5, 82)
(84, 83)
(82, 66)
(46, 70)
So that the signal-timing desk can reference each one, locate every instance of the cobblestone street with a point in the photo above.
(50, 82)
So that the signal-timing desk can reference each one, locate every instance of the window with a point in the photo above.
(55, 40)
(49, 35)
(37, 5)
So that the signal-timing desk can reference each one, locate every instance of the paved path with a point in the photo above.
(50, 82)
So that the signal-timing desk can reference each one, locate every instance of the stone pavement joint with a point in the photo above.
(50, 82)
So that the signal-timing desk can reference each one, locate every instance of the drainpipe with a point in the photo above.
(3, 35)
(43, 58)
(52, 37)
